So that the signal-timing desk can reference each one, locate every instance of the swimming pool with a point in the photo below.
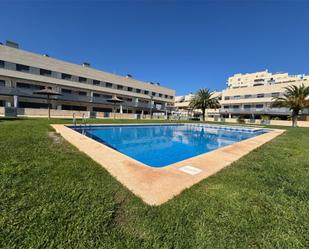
(161, 145)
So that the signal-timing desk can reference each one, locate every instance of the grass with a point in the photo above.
(53, 196)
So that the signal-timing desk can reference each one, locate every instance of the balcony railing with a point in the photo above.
(256, 110)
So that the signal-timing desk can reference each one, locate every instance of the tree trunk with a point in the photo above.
(203, 110)
(294, 118)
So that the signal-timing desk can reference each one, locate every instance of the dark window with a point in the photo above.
(226, 97)
(1, 64)
(45, 72)
(171, 97)
(96, 82)
(166, 96)
(248, 96)
(2, 82)
(160, 94)
(82, 79)
(259, 106)
(22, 85)
(119, 87)
(74, 107)
(258, 84)
(82, 93)
(22, 68)
(247, 106)
(261, 95)
(68, 91)
(26, 85)
(153, 94)
(32, 105)
(226, 107)
(101, 109)
(130, 89)
(146, 92)
(110, 85)
(235, 106)
(138, 90)
(65, 76)
(107, 96)
(237, 97)
(275, 94)
(97, 95)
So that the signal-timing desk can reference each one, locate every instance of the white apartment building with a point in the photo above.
(250, 95)
(82, 87)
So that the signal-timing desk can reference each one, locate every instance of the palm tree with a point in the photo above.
(203, 100)
(296, 98)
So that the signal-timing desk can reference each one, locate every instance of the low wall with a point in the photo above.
(261, 122)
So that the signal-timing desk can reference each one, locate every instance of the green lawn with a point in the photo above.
(53, 196)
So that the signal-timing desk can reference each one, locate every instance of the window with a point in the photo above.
(96, 82)
(45, 72)
(248, 96)
(130, 89)
(2, 82)
(258, 84)
(22, 68)
(275, 94)
(166, 96)
(82, 79)
(160, 95)
(227, 98)
(119, 87)
(235, 106)
(26, 85)
(261, 95)
(67, 91)
(65, 76)
(97, 95)
(147, 92)
(153, 94)
(106, 96)
(82, 93)
(171, 97)
(110, 85)
(237, 97)
(138, 90)
(1, 64)
(247, 106)
(226, 107)
(259, 106)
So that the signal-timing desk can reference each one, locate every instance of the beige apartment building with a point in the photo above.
(250, 95)
(82, 87)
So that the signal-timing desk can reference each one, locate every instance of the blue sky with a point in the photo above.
(185, 45)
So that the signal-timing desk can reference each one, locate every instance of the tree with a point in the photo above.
(296, 98)
(203, 100)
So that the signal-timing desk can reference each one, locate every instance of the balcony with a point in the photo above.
(267, 110)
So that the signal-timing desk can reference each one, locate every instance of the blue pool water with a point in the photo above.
(161, 145)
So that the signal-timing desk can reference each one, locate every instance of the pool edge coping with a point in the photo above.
(155, 186)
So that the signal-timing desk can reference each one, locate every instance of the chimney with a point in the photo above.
(11, 44)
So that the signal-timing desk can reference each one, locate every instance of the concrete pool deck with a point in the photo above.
(158, 185)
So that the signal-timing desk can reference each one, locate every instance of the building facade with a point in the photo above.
(250, 95)
(82, 88)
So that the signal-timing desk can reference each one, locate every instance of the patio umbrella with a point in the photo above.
(48, 92)
(115, 101)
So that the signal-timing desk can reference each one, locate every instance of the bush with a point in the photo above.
(241, 120)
